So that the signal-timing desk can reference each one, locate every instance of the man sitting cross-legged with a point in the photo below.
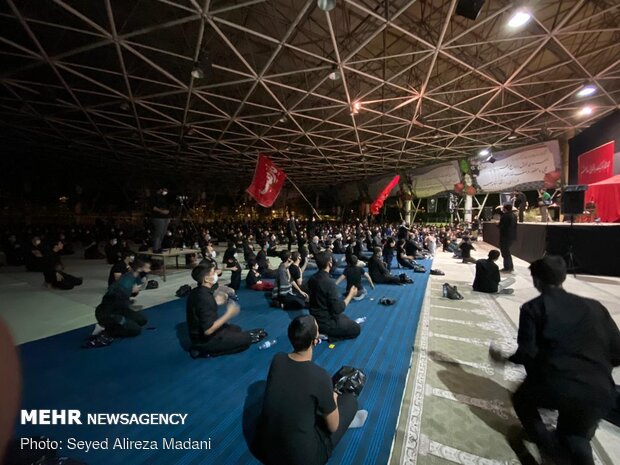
(303, 419)
(326, 304)
(487, 276)
(210, 333)
(353, 273)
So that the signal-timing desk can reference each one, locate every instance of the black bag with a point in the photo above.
(405, 279)
(152, 284)
(184, 290)
(451, 292)
(349, 379)
(437, 272)
(419, 268)
(387, 301)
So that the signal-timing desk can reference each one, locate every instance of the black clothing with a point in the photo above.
(52, 267)
(262, 261)
(313, 249)
(291, 428)
(34, 263)
(569, 346)
(327, 307)
(113, 253)
(160, 201)
(338, 247)
(487, 276)
(520, 201)
(466, 249)
(295, 272)
(116, 316)
(412, 248)
(507, 234)
(201, 313)
(379, 273)
(252, 278)
(354, 274)
(119, 267)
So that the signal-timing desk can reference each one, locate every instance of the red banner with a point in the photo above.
(596, 165)
(377, 204)
(267, 183)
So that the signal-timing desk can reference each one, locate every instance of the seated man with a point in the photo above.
(404, 260)
(121, 267)
(353, 274)
(303, 419)
(53, 270)
(487, 276)
(263, 262)
(211, 335)
(326, 304)
(253, 279)
(282, 294)
(210, 254)
(114, 313)
(35, 260)
(466, 248)
(568, 346)
(379, 272)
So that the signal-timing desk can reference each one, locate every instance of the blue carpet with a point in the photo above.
(152, 374)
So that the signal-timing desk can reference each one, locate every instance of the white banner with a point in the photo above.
(437, 179)
(523, 167)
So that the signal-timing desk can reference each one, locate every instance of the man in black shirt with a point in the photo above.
(378, 271)
(263, 262)
(303, 419)
(160, 217)
(53, 270)
(353, 273)
(520, 202)
(568, 346)
(326, 304)
(211, 335)
(291, 230)
(466, 249)
(121, 267)
(487, 276)
(507, 235)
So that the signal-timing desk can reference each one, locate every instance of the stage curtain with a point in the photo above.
(606, 196)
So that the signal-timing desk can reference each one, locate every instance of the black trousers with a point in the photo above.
(504, 248)
(577, 421)
(229, 339)
(68, 282)
(347, 408)
(342, 327)
(521, 213)
(406, 263)
(126, 323)
(292, 301)
(235, 279)
(387, 280)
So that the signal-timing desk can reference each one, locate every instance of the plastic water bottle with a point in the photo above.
(267, 344)
(360, 320)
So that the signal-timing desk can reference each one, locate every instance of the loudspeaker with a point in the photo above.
(573, 199)
(469, 8)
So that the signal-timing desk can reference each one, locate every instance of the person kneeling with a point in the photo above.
(326, 304)
(253, 279)
(114, 313)
(487, 276)
(303, 419)
(211, 334)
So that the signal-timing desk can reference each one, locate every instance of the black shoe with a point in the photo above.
(506, 270)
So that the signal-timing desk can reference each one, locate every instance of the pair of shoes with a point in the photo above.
(507, 291)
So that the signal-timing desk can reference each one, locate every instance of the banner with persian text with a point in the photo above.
(597, 164)
(432, 180)
(526, 168)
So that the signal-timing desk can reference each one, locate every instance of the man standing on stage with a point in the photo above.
(568, 346)
(160, 217)
(520, 202)
(507, 235)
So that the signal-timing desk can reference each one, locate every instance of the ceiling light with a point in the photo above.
(585, 111)
(586, 91)
(326, 5)
(198, 73)
(484, 152)
(334, 75)
(124, 106)
(283, 119)
(519, 18)
(512, 136)
(356, 107)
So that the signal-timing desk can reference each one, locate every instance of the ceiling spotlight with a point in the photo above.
(124, 106)
(484, 152)
(326, 5)
(198, 73)
(586, 111)
(334, 75)
(283, 119)
(519, 18)
(356, 107)
(586, 91)
(512, 136)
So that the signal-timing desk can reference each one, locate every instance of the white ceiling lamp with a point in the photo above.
(484, 152)
(283, 118)
(334, 75)
(586, 91)
(586, 111)
(519, 18)
(326, 5)
(356, 107)
(198, 73)
(512, 136)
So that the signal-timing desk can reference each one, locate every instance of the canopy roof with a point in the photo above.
(111, 80)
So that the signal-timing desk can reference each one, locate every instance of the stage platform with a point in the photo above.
(596, 247)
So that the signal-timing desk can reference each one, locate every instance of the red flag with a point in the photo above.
(377, 204)
(267, 183)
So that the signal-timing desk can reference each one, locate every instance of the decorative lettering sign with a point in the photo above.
(596, 165)
(440, 178)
